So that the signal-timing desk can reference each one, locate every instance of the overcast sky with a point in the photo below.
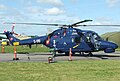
(59, 11)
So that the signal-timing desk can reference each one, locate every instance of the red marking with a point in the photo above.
(48, 41)
(55, 36)
(11, 38)
(5, 31)
(65, 32)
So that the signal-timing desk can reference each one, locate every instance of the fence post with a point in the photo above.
(70, 54)
(15, 50)
(3, 49)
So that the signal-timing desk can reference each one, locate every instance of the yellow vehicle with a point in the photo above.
(5, 42)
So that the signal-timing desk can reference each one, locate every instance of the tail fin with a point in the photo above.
(10, 36)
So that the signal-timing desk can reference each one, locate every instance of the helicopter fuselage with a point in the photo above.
(63, 39)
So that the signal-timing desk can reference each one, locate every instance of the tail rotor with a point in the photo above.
(12, 31)
(13, 27)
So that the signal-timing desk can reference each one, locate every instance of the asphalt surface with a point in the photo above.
(43, 57)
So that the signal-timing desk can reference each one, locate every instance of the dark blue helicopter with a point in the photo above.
(66, 37)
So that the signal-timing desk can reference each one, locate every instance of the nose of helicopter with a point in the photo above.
(114, 46)
(106, 44)
(108, 47)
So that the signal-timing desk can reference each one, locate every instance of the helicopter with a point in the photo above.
(66, 37)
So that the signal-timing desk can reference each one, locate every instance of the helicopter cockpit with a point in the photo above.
(92, 36)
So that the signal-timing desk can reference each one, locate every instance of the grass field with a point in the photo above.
(87, 70)
(118, 49)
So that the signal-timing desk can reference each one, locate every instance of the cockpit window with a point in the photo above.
(96, 36)
(92, 36)
(78, 39)
(88, 36)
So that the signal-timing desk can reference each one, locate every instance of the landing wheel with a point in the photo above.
(82, 53)
(90, 54)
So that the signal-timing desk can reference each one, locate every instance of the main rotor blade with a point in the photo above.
(81, 22)
(61, 25)
(52, 24)
(38, 24)
(13, 28)
(97, 25)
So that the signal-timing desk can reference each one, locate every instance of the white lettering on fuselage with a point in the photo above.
(54, 45)
(37, 41)
(74, 33)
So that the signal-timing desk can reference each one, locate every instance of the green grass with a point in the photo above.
(90, 70)
(39, 48)
(118, 49)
